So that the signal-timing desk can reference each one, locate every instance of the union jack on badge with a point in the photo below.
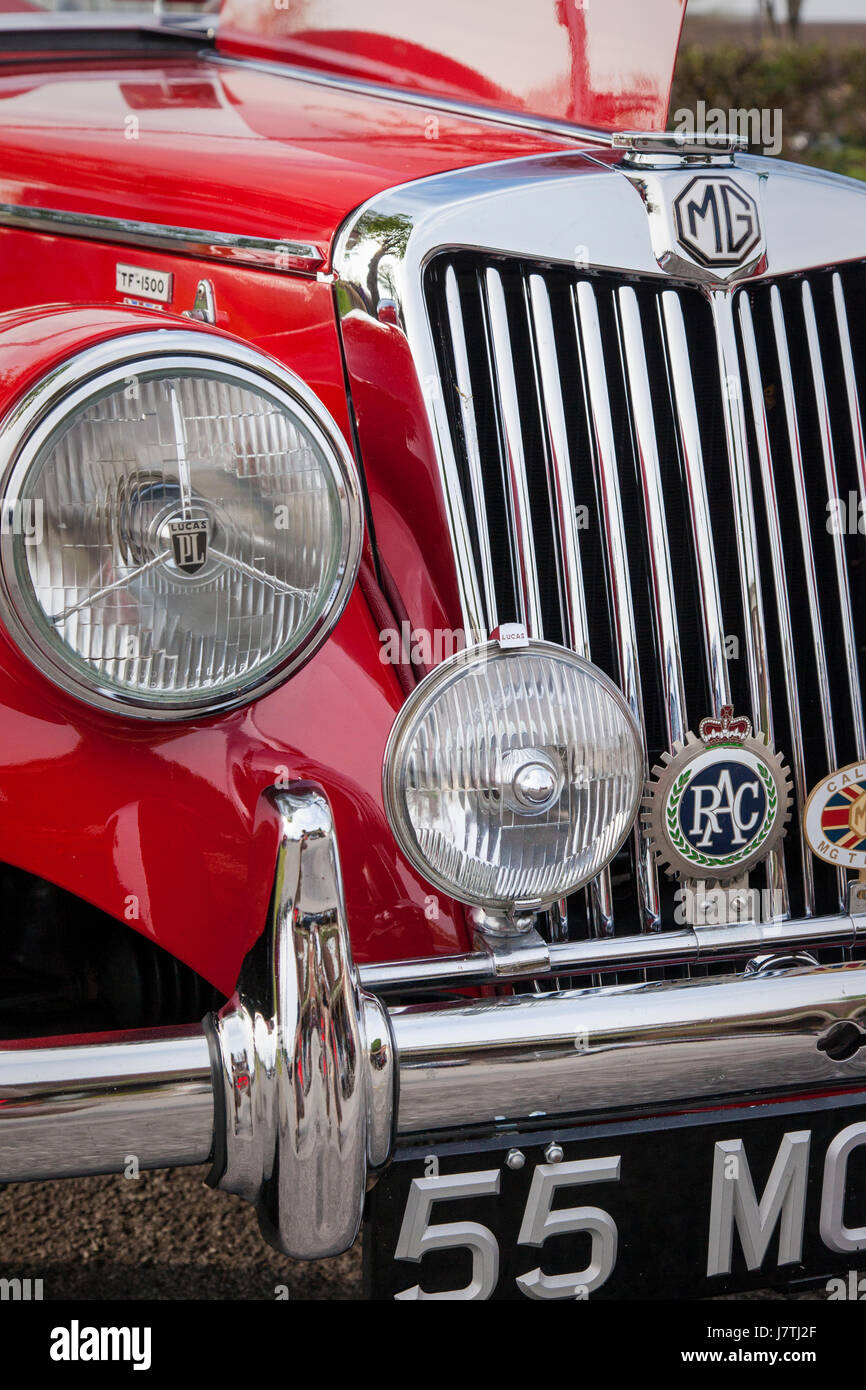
(834, 820)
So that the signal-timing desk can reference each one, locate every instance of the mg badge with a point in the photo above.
(189, 544)
(719, 803)
(716, 221)
(835, 818)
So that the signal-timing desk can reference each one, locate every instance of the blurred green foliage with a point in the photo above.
(819, 88)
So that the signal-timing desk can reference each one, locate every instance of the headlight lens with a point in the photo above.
(197, 525)
(512, 776)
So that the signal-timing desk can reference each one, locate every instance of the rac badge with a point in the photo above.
(717, 804)
(835, 817)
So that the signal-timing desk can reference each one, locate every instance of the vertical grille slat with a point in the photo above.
(563, 506)
(697, 501)
(851, 391)
(603, 446)
(804, 527)
(755, 627)
(564, 514)
(470, 441)
(661, 576)
(514, 457)
(702, 432)
(780, 580)
(829, 458)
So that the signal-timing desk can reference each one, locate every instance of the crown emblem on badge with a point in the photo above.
(727, 731)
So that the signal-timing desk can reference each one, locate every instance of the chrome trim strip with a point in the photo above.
(492, 1061)
(755, 627)
(841, 565)
(686, 414)
(517, 485)
(306, 1060)
(260, 253)
(658, 548)
(561, 487)
(406, 96)
(588, 332)
(470, 435)
(71, 1107)
(685, 946)
(780, 579)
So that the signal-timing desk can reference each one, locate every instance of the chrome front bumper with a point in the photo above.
(300, 1087)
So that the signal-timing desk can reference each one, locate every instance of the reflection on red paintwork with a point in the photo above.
(273, 157)
(605, 64)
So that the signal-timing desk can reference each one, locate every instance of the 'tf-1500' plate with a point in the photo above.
(148, 283)
(686, 1205)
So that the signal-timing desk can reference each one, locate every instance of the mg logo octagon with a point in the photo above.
(716, 221)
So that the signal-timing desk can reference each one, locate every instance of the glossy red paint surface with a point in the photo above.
(221, 147)
(607, 65)
(164, 826)
(402, 473)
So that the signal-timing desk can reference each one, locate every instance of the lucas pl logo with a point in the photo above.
(189, 544)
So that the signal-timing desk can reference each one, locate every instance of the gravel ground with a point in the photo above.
(163, 1235)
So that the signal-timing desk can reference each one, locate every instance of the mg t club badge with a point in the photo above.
(835, 818)
(719, 803)
(189, 544)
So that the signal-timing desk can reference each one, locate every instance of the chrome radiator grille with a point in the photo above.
(646, 470)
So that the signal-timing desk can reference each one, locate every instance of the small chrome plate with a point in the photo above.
(150, 284)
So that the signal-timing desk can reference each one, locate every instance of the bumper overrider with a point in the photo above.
(300, 1088)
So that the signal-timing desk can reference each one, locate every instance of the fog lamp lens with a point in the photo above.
(512, 776)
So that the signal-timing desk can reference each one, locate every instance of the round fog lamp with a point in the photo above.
(513, 775)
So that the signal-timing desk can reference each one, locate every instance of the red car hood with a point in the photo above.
(221, 146)
(604, 63)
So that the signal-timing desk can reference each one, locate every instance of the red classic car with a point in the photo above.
(432, 747)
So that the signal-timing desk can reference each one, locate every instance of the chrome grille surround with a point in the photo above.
(518, 227)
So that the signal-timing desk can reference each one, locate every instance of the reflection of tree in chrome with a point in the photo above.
(815, 74)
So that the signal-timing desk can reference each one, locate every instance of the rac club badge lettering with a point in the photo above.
(835, 818)
(719, 803)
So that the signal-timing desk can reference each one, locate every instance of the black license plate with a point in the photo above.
(680, 1206)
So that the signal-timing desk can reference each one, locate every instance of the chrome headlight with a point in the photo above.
(194, 524)
(512, 775)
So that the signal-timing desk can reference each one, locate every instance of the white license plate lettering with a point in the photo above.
(761, 1224)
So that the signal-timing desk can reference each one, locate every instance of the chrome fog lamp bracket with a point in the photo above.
(304, 1059)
